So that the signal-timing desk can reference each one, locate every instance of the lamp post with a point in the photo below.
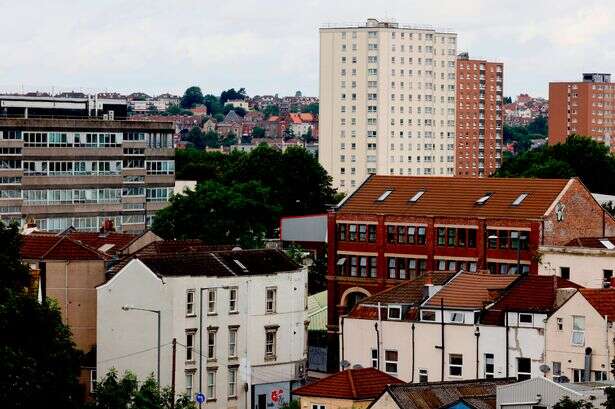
(519, 238)
(201, 335)
(157, 312)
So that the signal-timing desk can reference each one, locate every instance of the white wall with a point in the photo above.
(586, 265)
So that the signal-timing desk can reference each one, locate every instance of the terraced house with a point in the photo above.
(68, 162)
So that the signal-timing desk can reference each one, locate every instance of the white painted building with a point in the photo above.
(253, 333)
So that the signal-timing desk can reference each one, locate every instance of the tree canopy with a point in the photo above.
(39, 365)
(579, 156)
(192, 96)
(523, 136)
(243, 193)
(231, 94)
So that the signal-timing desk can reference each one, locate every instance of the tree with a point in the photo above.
(231, 94)
(196, 137)
(113, 392)
(238, 110)
(177, 110)
(609, 403)
(567, 403)
(270, 110)
(579, 156)
(152, 110)
(539, 126)
(258, 132)
(507, 100)
(192, 96)
(311, 108)
(39, 365)
(307, 137)
(211, 139)
(213, 105)
(229, 140)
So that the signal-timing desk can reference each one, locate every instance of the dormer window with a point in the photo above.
(483, 199)
(417, 196)
(384, 195)
(394, 312)
(520, 199)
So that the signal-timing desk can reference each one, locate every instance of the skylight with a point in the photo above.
(520, 199)
(607, 244)
(417, 196)
(383, 196)
(240, 264)
(483, 199)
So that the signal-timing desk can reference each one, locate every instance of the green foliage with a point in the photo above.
(579, 156)
(231, 94)
(229, 140)
(507, 100)
(270, 110)
(113, 392)
(523, 136)
(311, 108)
(177, 110)
(211, 139)
(293, 404)
(609, 403)
(192, 96)
(258, 132)
(39, 366)
(296, 253)
(242, 192)
(567, 403)
(308, 137)
(214, 107)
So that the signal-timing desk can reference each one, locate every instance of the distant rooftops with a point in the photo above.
(461, 197)
(601, 243)
(375, 23)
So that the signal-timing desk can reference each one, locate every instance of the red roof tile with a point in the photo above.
(354, 384)
(471, 290)
(590, 242)
(603, 300)
(97, 240)
(57, 248)
(455, 197)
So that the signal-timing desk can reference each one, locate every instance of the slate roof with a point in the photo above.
(602, 299)
(480, 394)
(471, 290)
(220, 263)
(232, 117)
(454, 197)
(352, 384)
(529, 293)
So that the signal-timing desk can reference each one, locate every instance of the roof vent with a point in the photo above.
(483, 199)
(417, 196)
(384, 195)
(520, 199)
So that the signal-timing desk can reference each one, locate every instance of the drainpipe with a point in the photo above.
(606, 340)
(442, 336)
(378, 334)
(507, 343)
(477, 334)
(42, 266)
(412, 374)
(342, 335)
(377, 345)
(588, 364)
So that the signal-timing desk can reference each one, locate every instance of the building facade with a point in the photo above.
(80, 172)
(584, 108)
(387, 101)
(394, 228)
(479, 116)
(252, 346)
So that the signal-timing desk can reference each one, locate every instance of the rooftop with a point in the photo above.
(84, 124)
(40, 246)
(602, 243)
(480, 393)
(471, 290)
(602, 299)
(455, 197)
(353, 384)
(317, 311)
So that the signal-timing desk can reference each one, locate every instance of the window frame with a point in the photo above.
(190, 311)
(271, 303)
(388, 361)
(454, 366)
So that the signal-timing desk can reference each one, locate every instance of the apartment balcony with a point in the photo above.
(70, 208)
(160, 180)
(167, 153)
(81, 153)
(11, 172)
(71, 181)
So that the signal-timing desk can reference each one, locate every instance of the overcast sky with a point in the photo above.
(271, 46)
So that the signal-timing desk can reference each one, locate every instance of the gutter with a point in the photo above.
(536, 402)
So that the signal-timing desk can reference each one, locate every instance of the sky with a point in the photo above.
(271, 46)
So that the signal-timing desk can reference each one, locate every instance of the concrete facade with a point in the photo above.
(591, 268)
(387, 101)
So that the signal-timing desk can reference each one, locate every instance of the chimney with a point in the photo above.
(107, 226)
(428, 288)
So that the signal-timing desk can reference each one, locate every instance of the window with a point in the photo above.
(384, 195)
(455, 364)
(557, 368)
(190, 346)
(374, 358)
(578, 375)
(607, 275)
(564, 272)
(489, 366)
(428, 315)
(524, 369)
(232, 342)
(519, 199)
(232, 382)
(211, 344)
(394, 312)
(190, 302)
(92, 380)
(526, 318)
(211, 301)
(270, 299)
(371, 233)
(483, 199)
(362, 232)
(270, 342)
(599, 376)
(316, 406)
(417, 196)
(211, 385)
(441, 236)
(189, 383)
(457, 317)
(423, 376)
(560, 324)
(390, 361)
(578, 330)
(232, 299)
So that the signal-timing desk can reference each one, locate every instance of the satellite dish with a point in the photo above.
(344, 364)
(357, 366)
(544, 368)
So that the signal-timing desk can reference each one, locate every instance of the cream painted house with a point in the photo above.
(580, 338)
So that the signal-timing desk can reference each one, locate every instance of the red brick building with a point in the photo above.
(478, 149)
(584, 108)
(394, 228)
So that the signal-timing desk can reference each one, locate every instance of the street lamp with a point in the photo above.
(519, 238)
(201, 334)
(157, 312)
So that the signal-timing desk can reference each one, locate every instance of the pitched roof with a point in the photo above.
(456, 197)
(471, 290)
(317, 311)
(111, 241)
(592, 242)
(406, 293)
(232, 116)
(36, 247)
(355, 384)
(480, 393)
(530, 293)
(295, 118)
(219, 263)
(602, 299)
(306, 116)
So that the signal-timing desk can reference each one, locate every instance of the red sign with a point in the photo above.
(276, 395)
